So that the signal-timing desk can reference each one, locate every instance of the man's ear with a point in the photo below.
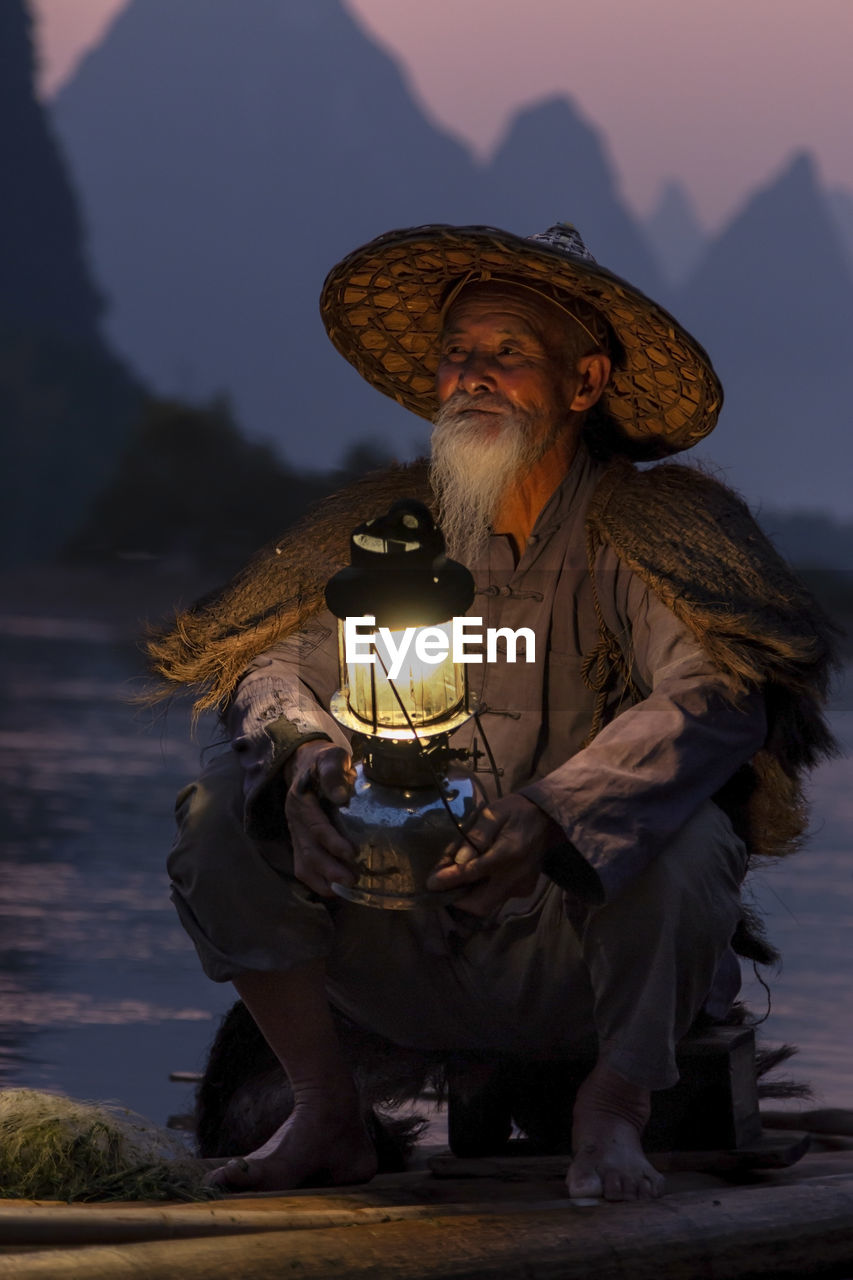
(594, 372)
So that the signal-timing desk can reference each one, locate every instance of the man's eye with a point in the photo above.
(508, 349)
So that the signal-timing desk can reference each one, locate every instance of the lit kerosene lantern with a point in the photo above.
(411, 799)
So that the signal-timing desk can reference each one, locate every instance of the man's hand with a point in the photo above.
(321, 855)
(500, 857)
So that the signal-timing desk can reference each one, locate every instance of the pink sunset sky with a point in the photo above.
(717, 93)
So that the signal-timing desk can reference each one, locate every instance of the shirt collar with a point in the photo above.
(562, 500)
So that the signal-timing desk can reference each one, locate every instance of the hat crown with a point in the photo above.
(566, 239)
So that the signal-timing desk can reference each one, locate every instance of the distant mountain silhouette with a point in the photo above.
(552, 160)
(44, 282)
(773, 302)
(841, 210)
(250, 145)
(65, 402)
(675, 233)
(228, 152)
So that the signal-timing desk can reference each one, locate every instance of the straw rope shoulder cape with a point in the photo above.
(686, 535)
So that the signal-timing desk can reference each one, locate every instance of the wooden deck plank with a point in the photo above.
(775, 1231)
(786, 1223)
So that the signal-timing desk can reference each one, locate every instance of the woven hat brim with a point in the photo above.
(381, 308)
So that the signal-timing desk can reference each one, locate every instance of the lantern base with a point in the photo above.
(400, 834)
(402, 902)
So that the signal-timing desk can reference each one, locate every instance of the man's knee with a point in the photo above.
(211, 838)
(215, 796)
(236, 896)
(207, 820)
(704, 861)
(690, 891)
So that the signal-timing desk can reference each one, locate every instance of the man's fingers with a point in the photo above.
(335, 775)
(472, 863)
(481, 833)
(307, 818)
(329, 774)
(464, 867)
(499, 857)
(468, 864)
(320, 873)
(322, 855)
(464, 856)
(321, 835)
(473, 839)
(318, 866)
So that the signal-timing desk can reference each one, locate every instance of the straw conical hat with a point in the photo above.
(382, 307)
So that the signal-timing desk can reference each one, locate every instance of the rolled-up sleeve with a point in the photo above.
(279, 704)
(620, 799)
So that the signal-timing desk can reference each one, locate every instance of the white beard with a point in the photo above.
(470, 471)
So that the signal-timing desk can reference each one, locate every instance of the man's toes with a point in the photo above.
(613, 1184)
(617, 1187)
(584, 1185)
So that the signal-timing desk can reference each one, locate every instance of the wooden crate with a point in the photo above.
(714, 1106)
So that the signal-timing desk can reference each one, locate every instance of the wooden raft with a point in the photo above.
(753, 1205)
(516, 1222)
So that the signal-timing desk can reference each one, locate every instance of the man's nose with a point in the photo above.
(476, 373)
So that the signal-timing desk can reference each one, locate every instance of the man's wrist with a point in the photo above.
(264, 809)
(564, 863)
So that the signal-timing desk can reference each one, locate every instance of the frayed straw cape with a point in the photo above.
(686, 535)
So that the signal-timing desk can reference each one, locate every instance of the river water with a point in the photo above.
(101, 995)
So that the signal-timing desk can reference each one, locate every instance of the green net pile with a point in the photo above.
(53, 1148)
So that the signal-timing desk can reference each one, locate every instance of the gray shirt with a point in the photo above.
(618, 799)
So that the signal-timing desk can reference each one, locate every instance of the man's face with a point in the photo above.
(502, 351)
(505, 393)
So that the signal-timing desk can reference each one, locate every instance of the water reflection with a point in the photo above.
(807, 902)
(100, 992)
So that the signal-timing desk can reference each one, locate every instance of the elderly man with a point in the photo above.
(601, 889)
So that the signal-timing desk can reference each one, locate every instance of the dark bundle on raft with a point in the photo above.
(244, 1094)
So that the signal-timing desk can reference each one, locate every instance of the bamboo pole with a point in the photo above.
(785, 1232)
(830, 1121)
(87, 1224)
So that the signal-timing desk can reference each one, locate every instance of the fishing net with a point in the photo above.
(54, 1148)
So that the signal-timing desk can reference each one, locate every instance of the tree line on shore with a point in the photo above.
(191, 490)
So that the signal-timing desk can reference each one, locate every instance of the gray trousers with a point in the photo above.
(534, 982)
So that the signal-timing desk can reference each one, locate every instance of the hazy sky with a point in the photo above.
(715, 92)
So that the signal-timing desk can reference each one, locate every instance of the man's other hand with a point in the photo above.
(320, 773)
(500, 857)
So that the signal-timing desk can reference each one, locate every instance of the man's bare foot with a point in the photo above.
(609, 1117)
(317, 1145)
